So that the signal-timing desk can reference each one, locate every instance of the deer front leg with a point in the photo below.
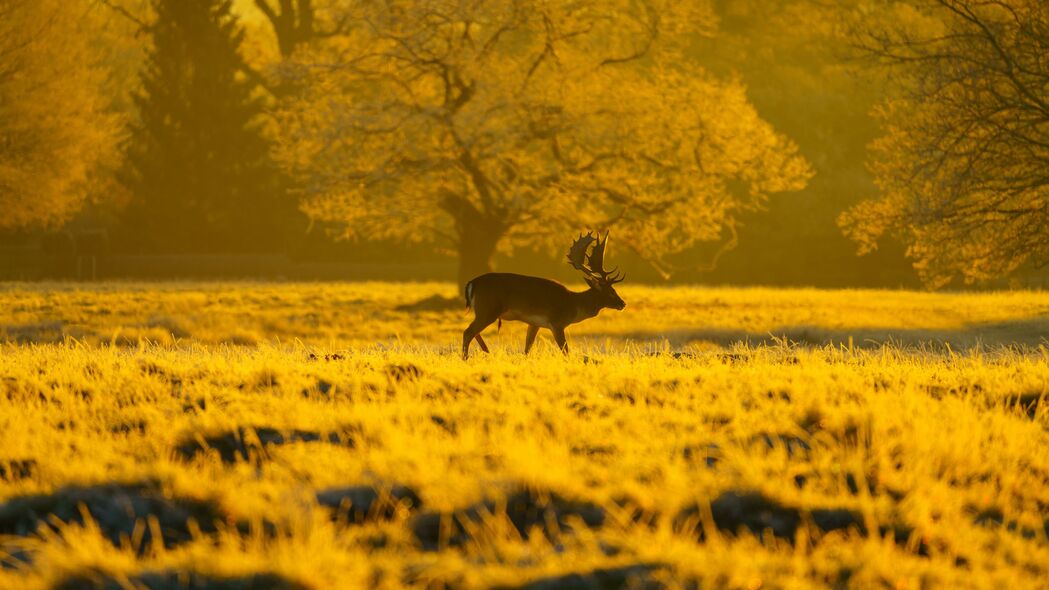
(480, 342)
(559, 338)
(474, 331)
(530, 338)
(467, 339)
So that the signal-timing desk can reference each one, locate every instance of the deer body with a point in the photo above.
(538, 302)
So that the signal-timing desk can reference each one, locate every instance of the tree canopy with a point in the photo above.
(57, 137)
(964, 161)
(514, 123)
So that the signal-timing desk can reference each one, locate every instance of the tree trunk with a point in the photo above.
(479, 234)
(477, 245)
(293, 23)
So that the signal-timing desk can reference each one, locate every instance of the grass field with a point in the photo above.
(313, 436)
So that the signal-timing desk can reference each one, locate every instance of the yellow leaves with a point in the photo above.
(543, 115)
(961, 154)
(53, 114)
(867, 222)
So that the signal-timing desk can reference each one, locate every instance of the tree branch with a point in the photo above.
(125, 13)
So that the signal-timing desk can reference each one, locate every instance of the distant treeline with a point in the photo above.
(742, 141)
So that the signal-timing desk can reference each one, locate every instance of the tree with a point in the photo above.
(802, 78)
(493, 125)
(198, 166)
(56, 135)
(964, 160)
(296, 23)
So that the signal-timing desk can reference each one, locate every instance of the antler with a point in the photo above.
(592, 265)
(577, 255)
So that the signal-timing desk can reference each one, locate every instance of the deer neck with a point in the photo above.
(587, 304)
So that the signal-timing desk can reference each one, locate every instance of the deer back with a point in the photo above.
(534, 300)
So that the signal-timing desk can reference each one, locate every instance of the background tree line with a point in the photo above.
(742, 141)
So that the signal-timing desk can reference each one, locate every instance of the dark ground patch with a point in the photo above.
(635, 577)
(361, 504)
(405, 372)
(1028, 403)
(116, 510)
(527, 510)
(323, 389)
(14, 556)
(130, 427)
(735, 511)
(855, 486)
(706, 453)
(327, 357)
(48, 332)
(179, 581)
(993, 517)
(444, 423)
(754, 512)
(17, 469)
(246, 443)
(793, 444)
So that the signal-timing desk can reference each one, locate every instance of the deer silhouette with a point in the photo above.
(542, 303)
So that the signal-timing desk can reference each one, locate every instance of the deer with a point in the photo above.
(543, 303)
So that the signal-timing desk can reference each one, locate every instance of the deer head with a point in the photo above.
(587, 255)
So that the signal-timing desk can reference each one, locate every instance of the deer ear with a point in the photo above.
(593, 282)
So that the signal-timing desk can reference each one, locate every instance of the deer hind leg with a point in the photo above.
(559, 338)
(530, 338)
(473, 331)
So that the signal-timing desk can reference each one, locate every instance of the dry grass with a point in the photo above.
(167, 435)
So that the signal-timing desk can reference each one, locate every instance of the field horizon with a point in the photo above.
(236, 312)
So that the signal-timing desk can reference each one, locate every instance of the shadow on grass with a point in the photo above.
(248, 443)
(175, 580)
(434, 303)
(1029, 332)
(527, 509)
(117, 510)
(640, 576)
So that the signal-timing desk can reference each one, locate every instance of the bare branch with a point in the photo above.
(125, 13)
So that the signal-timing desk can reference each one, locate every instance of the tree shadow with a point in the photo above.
(433, 303)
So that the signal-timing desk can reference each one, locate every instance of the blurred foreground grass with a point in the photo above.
(312, 436)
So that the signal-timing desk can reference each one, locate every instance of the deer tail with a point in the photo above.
(469, 294)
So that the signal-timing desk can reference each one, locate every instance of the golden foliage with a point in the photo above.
(962, 159)
(58, 140)
(523, 120)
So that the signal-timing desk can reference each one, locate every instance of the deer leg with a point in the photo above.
(480, 342)
(474, 331)
(559, 338)
(530, 338)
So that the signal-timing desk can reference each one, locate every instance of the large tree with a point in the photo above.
(964, 161)
(495, 124)
(57, 136)
(198, 165)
